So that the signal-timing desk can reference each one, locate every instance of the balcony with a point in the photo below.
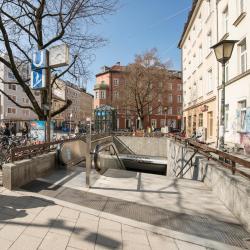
(102, 85)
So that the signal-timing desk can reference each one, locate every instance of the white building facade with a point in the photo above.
(200, 71)
(209, 22)
(10, 113)
(233, 24)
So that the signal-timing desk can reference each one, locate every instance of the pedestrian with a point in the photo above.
(76, 129)
(7, 130)
(13, 129)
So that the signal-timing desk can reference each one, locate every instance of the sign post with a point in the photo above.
(88, 153)
(42, 62)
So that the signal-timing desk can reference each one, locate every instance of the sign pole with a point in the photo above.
(49, 99)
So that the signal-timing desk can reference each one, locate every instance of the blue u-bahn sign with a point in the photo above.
(38, 70)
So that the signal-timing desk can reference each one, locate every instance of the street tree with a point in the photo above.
(144, 88)
(29, 25)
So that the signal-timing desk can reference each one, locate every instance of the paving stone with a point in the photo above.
(62, 226)
(50, 212)
(182, 245)
(5, 244)
(161, 242)
(109, 235)
(85, 232)
(54, 241)
(38, 228)
(11, 231)
(26, 242)
(134, 238)
(69, 214)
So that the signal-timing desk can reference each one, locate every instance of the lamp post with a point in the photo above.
(165, 110)
(223, 51)
(70, 116)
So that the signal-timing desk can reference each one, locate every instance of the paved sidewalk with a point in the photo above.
(28, 222)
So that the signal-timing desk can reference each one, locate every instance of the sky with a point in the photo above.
(137, 26)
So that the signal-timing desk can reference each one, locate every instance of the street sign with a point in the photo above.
(59, 56)
(38, 71)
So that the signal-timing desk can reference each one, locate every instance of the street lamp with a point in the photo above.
(165, 110)
(223, 51)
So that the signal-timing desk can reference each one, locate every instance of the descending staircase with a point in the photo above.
(121, 146)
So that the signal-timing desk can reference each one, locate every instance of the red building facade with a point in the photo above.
(109, 90)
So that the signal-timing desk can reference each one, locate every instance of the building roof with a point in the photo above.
(117, 68)
(191, 12)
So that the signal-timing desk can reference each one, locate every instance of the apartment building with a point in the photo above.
(109, 90)
(80, 109)
(233, 21)
(209, 22)
(9, 112)
(200, 70)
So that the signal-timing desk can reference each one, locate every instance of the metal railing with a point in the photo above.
(234, 163)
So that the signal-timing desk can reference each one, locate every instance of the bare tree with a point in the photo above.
(144, 85)
(27, 25)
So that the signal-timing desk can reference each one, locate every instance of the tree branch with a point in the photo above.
(17, 104)
(60, 110)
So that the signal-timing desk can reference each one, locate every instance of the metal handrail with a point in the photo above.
(101, 147)
(225, 159)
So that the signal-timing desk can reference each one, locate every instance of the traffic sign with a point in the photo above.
(38, 70)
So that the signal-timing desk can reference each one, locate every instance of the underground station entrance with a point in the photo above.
(130, 177)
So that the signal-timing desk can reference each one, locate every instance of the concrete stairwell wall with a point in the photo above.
(232, 190)
(151, 146)
(22, 172)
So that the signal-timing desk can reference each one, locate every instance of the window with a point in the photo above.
(170, 98)
(242, 115)
(179, 88)
(13, 97)
(12, 86)
(160, 84)
(241, 6)
(96, 95)
(210, 124)
(150, 110)
(159, 97)
(170, 111)
(26, 112)
(201, 90)
(243, 55)
(102, 94)
(210, 81)
(11, 75)
(225, 21)
(170, 86)
(209, 41)
(163, 122)
(189, 124)
(116, 82)
(226, 116)
(160, 110)
(154, 123)
(179, 99)
(200, 23)
(209, 5)
(11, 110)
(179, 111)
(200, 122)
(200, 54)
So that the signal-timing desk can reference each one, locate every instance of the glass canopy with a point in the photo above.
(105, 119)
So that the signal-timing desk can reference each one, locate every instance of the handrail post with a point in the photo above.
(233, 167)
